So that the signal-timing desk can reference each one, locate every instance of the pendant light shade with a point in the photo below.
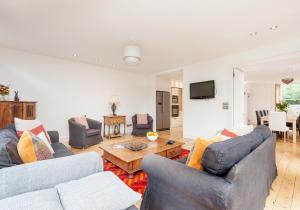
(287, 80)
(132, 55)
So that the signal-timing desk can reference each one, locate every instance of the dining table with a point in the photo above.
(289, 119)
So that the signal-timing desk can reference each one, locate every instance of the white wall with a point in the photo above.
(260, 96)
(64, 89)
(205, 117)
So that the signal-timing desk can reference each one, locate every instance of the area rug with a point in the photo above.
(139, 181)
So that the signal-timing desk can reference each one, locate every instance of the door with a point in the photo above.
(159, 110)
(238, 97)
(166, 110)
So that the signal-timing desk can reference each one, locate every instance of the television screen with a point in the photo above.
(202, 90)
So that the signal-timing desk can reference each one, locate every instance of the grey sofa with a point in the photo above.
(32, 186)
(80, 138)
(244, 185)
(141, 130)
(9, 133)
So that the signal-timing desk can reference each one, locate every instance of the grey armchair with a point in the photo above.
(80, 138)
(141, 130)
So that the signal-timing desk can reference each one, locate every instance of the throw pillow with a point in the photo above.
(12, 150)
(228, 133)
(6, 135)
(36, 127)
(31, 148)
(195, 156)
(82, 121)
(142, 119)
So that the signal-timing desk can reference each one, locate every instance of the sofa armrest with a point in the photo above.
(94, 124)
(54, 136)
(48, 173)
(186, 183)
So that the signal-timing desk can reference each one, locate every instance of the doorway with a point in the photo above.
(169, 102)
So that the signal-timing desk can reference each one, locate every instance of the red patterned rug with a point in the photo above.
(139, 181)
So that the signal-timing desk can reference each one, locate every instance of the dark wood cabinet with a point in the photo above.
(25, 110)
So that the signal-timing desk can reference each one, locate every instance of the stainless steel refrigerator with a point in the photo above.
(163, 110)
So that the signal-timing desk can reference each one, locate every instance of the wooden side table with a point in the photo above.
(112, 121)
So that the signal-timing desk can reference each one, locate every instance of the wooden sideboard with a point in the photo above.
(112, 121)
(25, 110)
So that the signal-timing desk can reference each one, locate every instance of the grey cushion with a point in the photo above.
(143, 126)
(92, 132)
(44, 199)
(263, 130)
(6, 135)
(219, 157)
(60, 150)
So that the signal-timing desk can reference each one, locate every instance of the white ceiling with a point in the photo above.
(171, 33)
(274, 70)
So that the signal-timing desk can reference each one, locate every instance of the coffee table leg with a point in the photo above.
(130, 176)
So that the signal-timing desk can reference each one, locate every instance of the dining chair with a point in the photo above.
(277, 122)
(258, 116)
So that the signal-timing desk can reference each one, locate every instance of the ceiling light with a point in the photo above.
(273, 27)
(287, 80)
(253, 34)
(132, 54)
(75, 55)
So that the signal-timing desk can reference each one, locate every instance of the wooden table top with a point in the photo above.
(127, 155)
(288, 118)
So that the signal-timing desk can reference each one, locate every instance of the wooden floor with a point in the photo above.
(285, 193)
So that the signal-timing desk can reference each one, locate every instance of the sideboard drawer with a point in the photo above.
(115, 120)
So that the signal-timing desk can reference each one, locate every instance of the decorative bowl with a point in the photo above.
(135, 146)
(152, 136)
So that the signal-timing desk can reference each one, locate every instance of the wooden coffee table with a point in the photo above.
(131, 161)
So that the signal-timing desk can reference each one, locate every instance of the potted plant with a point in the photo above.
(4, 91)
(282, 106)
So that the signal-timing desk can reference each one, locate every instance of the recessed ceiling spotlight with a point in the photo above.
(253, 34)
(273, 27)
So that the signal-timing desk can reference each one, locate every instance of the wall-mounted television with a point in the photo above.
(202, 90)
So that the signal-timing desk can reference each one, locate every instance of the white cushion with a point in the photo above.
(23, 125)
(242, 130)
(101, 191)
(44, 199)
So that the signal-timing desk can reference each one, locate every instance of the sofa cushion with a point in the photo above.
(228, 133)
(31, 148)
(143, 126)
(263, 130)
(98, 191)
(35, 127)
(196, 153)
(219, 157)
(92, 132)
(82, 121)
(6, 135)
(60, 150)
(12, 150)
(44, 199)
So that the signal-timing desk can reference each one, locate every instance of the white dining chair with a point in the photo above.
(277, 122)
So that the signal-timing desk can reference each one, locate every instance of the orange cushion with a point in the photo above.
(32, 148)
(228, 133)
(195, 157)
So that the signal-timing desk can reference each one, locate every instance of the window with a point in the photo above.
(291, 93)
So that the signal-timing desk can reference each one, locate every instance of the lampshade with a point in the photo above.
(114, 99)
(132, 54)
(287, 80)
